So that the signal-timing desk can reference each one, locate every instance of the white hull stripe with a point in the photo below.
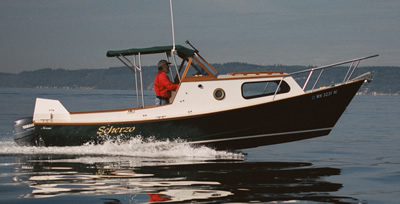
(258, 136)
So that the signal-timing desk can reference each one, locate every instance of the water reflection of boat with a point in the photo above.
(227, 111)
(199, 181)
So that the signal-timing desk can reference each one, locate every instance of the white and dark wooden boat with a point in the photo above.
(226, 111)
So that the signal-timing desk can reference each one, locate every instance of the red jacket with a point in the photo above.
(163, 86)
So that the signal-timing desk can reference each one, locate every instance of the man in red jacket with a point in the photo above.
(162, 85)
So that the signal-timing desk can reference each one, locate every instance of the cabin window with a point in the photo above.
(263, 88)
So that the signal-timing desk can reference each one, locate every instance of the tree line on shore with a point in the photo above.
(385, 79)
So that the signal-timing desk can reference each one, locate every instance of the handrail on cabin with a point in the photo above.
(349, 73)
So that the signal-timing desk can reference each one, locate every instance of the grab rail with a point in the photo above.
(349, 73)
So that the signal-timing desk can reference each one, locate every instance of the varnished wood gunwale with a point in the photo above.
(210, 78)
(256, 73)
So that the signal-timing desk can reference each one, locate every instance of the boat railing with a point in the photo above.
(353, 66)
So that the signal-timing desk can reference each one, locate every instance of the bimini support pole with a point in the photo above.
(173, 51)
(136, 82)
(172, 26)
(134, 68)
(141, 78)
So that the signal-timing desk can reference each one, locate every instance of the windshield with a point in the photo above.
(202, 61)
(196, 69)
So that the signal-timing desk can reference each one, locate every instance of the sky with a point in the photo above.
(76, 34)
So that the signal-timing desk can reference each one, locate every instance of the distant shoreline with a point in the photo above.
(385, 79)
(92, 88)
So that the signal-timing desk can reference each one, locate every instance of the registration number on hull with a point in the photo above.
(324, 94)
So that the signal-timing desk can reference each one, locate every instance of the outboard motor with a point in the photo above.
(25, 133)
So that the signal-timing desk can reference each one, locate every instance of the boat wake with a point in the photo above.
(136, 147)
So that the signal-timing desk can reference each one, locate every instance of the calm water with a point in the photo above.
(359, 162)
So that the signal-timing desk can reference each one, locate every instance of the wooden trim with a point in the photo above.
(255, 77)
(256, 73)
(199, 78)
(186, 69)
(76, 124)
(113, 110)
(208, 78)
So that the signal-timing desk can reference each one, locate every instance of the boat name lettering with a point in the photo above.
(325, 94)
(115, 130)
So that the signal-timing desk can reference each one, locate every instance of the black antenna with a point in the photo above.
(195, 50)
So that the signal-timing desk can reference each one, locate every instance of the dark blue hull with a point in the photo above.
(297, 118)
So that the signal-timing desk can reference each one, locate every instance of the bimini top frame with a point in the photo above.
(121, 55)
(182, 51)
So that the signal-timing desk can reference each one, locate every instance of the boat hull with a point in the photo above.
(309, 115)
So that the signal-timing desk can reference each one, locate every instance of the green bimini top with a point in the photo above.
(183, 52)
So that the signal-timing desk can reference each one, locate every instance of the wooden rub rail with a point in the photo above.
(255, 73)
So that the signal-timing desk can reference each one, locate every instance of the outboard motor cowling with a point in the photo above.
(25, 133)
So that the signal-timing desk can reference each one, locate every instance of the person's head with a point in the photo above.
(163, 65)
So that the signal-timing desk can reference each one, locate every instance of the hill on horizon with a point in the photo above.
(121, 78)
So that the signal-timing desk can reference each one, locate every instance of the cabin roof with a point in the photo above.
(183, 52)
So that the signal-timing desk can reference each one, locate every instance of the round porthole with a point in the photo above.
(219, 94)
